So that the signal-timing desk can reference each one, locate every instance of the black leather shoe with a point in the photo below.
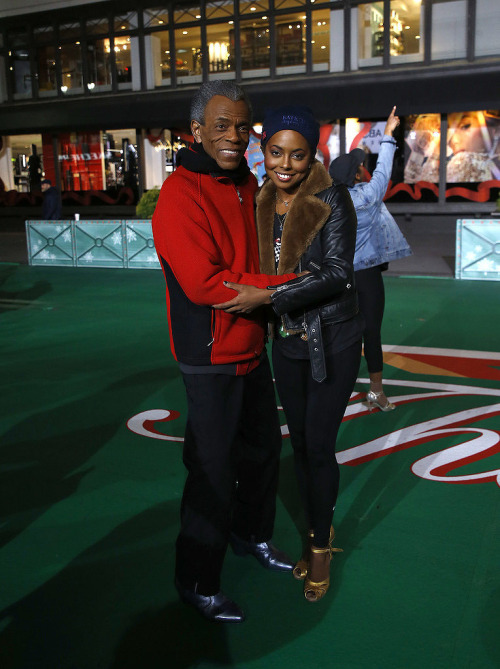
(267, 554)
(217, 608)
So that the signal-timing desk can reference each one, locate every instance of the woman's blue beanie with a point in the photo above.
(291, 117)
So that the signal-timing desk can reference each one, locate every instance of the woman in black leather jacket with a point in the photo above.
(308, 226)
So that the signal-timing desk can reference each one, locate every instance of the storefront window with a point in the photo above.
(19, 65)
(254, 45)
(473, 147)
(219, 62)
(406, 32)
(290, 43)
(321, 39)
(422, 146)
(71, 67)
(99, 70)
(70, 31)
(406, 38)
(123, 59)
(219, 10)
(184, 14)
(97, 27)
(247, 7)
(46, 70)
(487, 27)
(449, 23)
(155, 17)
(370, 33)
(188, 54)
(288, 4)
(125, 22)
(159, 44)
(120, 158)
(27, 163)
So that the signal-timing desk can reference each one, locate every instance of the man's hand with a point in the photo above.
(392, 122)
(247, 299)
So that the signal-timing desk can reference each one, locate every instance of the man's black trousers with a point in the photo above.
(231, 451)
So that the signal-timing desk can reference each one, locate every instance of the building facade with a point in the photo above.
(95, 95)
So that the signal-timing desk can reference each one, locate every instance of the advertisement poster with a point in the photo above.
(473, 148)
(422, 143)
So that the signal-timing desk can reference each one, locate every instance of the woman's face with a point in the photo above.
(287, 159)
(467, 135)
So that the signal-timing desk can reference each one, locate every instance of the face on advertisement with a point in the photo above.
(468, 135)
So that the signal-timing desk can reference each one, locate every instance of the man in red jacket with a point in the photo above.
(204, 232)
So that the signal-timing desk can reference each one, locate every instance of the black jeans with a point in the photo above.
(314, 412)
(231, 451)
(371, 296)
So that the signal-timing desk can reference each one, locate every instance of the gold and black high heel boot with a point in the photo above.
(300, 568)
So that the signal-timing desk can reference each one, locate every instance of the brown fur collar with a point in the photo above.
(306, 216)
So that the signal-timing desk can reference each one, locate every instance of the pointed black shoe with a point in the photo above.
(217, 608)
(267, 554)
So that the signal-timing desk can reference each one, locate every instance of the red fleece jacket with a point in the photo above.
(205, 235)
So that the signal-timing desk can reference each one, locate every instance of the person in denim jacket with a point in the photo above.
(378, 241)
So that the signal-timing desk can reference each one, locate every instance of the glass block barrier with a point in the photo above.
(478, 249)
(123, 244)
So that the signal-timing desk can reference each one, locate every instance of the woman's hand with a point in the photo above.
(247, 299)
(392, 122)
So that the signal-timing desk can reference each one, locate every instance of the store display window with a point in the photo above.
(406, 32)
(19, 65)
(247, 7)
(254, 47)
(155, 17)
(125, 22)
(123, 47)
(219, 57)
(186, 13)
(473, 147)
(99, 65)
(159, 43)
(46, 70)
(290, 33)
(188, 54)
(221, 9)
(320, 39)
(422, 134)
(71, 68)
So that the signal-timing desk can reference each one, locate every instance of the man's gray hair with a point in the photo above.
(217, 87)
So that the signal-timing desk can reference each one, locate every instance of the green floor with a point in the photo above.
(90, 508)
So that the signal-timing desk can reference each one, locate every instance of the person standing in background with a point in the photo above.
(51, 208)
(378, 241)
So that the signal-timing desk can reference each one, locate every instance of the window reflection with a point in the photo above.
(155, 17)
(219, 9)
(19, 65)
(159, 44)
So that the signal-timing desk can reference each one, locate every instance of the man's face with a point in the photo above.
(226, 131)
(45, 187)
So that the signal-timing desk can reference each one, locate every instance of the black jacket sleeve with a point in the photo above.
(329, 259)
